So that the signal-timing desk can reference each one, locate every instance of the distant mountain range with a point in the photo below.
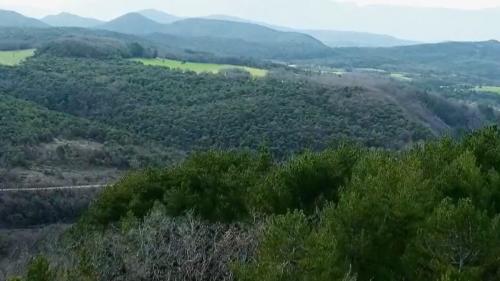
(224, 38)
(10, 18)
(153, 21)
(333, 38)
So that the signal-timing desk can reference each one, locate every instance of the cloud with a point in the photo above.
(455, 4)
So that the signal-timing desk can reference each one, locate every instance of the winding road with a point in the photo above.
(52, 188)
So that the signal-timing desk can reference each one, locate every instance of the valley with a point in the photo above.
(152, 146)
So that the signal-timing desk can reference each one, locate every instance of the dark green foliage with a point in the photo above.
(185, 111)
(94, 47)
(214, 185)
(280, 251)
(26, 125)
(309, 180)
(347, 213)
(21, 209)
(458, 240)
(39, 270)
(426, 214)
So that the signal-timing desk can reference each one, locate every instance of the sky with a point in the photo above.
(453, 4)
(461, 20)
(111, 8)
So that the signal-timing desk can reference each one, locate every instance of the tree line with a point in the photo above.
(431, 212)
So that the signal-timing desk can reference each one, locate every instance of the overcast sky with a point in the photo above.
(106, 9)
(460, 21)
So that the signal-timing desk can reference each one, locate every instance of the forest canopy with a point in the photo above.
(346, 213)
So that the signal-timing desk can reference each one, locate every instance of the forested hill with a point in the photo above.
(188, 111)
(224, 38)
(346, 213)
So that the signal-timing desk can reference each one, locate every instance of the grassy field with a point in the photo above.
(488, 89)
(201, 67)
(401, 77)
(15, 57)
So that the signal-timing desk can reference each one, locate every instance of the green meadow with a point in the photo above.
(15, 57)
(488, 89)
(400, 76)
(200, 67)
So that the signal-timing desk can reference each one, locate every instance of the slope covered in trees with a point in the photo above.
(51, 144)
(188, 111)
(346, 213)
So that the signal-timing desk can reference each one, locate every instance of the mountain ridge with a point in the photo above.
(159, 16)
(65, 19)
(15, 19)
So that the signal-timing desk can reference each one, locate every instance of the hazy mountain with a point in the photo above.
(70, 20)
(133, 23)
(159, 16)
(332, 38)
(13, 19)
(480, 60)
(411, 23)
(223, 38)
(335, 38)
(200, 27)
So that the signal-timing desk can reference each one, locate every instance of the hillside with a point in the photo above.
(78, 41)
(331, 38)
(337, 39)
(70, 20)
(466, 61)
(223, 38)
(200, 27)
(239, 215)
(243, 39)
(173, 108)
(13, 19)
(132, 23)
(50, 148)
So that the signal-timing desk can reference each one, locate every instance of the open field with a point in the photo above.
(401, 77)
(201, 67)
(15, 57)
(488, 89)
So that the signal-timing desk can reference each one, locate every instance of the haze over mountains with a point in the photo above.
(408, 22)
(154, 21)
(367, 26)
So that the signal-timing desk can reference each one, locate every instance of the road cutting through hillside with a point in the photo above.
(53, 188)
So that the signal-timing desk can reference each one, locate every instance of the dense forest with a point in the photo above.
(347, 213)
(116, 113)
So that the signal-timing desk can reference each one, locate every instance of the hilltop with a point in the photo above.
(70, 20)
(14, 19)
